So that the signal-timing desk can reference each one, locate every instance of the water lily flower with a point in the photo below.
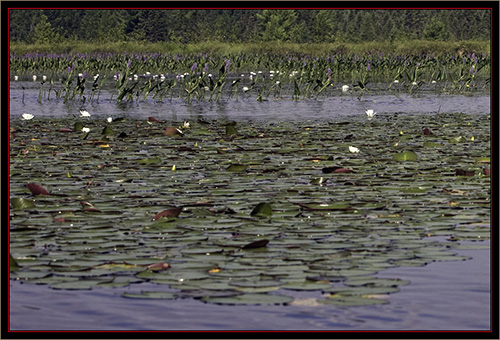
(396, 81)
(370, 113)
(84, 113)
(44, 78)
(345, 88)
(16, 77)
(34, 78)
(185, 125)
(27, 116)
(353, 149)
(86, 129)
(109, 119)
(245, 89)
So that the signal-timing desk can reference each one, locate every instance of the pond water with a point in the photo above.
(247, 108)
(451, 295)
(448, 295)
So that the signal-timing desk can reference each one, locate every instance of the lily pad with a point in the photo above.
(262, 209)
(19, 203)
(405, 156)
(236, 168)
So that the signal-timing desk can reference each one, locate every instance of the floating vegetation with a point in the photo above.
(244, 218)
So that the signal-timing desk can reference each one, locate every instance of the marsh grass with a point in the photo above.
(397, 47)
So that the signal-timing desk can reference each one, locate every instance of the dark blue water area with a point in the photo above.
(248, 108)
(449, 295)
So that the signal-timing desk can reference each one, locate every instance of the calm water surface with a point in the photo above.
(452, 295)
(248, 108)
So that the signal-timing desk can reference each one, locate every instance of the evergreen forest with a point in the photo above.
(191, 26)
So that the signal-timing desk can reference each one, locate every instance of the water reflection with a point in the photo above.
(247, 108)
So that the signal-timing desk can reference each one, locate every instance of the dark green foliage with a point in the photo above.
(246, 25)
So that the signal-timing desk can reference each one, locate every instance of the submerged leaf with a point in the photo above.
(249, 299)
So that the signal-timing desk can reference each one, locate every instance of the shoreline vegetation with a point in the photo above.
(413, 47)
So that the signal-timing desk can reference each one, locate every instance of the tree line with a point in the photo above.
(49, 26)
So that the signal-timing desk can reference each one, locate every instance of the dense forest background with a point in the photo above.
(50, 26)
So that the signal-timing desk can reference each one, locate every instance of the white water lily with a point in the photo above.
(345, 88)
(44, 78)
(396, 81)
(353, 149)
(34, 78)
(86, 129)
(27, 116)
(370, 113)
(185, 125)
(16, 77)
(245, 89)
(109, 119)
(84, 113)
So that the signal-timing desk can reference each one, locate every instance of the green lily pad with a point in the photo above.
(236, 168)
(19, 203)
(13, 265)
(231, 130)
(107, 131)
(405, 156)
(459, 139)
(263, 210)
